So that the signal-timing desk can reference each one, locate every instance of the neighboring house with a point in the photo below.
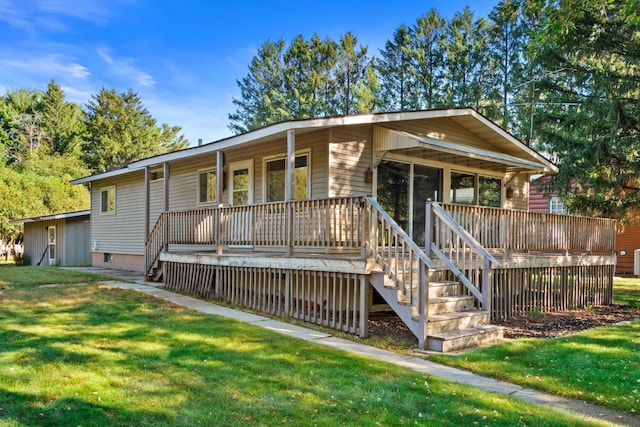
(321, 219)
(60, 239)
(542, 200)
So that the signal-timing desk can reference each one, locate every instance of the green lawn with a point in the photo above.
(601, 365)
(93, 355)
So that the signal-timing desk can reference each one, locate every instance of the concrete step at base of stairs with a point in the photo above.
(465, 338)
(447, 322)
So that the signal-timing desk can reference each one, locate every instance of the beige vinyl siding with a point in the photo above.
(350, 156)
(520, 186)
(122, 232)
(156, 200)
(183, 180)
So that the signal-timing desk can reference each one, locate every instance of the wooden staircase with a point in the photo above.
(452, 321)
(444, 315)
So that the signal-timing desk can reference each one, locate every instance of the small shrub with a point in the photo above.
(536, 313)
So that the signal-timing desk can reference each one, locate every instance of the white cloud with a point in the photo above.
(50, 65)
(124, 68)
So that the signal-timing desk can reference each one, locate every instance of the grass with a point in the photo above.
(94, 355)
(12, 277)
(627, 291)
(601, 365)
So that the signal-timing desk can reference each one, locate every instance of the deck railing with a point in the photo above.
(325, 224)
(404, 264)
(460, 252)
(509, 231)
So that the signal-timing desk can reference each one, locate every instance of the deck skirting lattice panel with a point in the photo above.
(331, 299)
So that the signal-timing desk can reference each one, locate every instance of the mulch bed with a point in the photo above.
(549, 325)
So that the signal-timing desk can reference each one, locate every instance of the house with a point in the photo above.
(627, 241)
(423, 213)
(60, 239)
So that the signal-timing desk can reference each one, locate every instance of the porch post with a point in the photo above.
(288, 187)
(147, 202)
(147, 226)
(219, 176)
(219, 190)
(166, 172)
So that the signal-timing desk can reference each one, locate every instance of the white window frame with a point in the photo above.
(106, 211)
(282, 156)
(555, 201)
(245, 164)
(208, 202)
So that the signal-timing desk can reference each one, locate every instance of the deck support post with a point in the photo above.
(365, 295)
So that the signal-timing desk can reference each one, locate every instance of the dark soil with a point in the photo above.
(548, 325)
(537, 325)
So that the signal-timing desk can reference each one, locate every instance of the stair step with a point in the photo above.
(465, 338)
(441, 323)
(443, 288)
(450, 304)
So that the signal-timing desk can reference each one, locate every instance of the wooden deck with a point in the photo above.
(320, 261)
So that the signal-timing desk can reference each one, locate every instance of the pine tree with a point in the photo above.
(397, 86)
(589, 117)
(427, 56)
(262, 91)
(350, 72)
(122, 131)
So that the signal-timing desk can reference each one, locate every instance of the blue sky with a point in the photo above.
(182, 57)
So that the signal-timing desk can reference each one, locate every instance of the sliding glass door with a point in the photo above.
(403, 190)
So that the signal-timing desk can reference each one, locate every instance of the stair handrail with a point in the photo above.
(401, 233)
(488, 260)
(156, 242)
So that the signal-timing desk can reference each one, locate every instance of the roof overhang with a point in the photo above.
(279, 130)
(386, 139)
(65, 215)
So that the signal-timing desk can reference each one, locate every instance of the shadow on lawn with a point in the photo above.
(31, 409)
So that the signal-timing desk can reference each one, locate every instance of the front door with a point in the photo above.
(403, 189)
(52, 245)
(241, 183)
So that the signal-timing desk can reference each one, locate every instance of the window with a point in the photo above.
(207, 182)
(241, 183)
(107, 258)
(276, 177)
(489, 191)
(556, 206)
(463, 188)
(108, 200)
(157, 175)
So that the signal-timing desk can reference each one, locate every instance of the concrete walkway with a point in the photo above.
(135, 281)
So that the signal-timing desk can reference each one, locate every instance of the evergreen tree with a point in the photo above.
(62, 121)
(350, 73)
(427, 56)
(507, 48)
(590, 108)
(397, 86)
(262, 91)
(121, 131)
(466, 60)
